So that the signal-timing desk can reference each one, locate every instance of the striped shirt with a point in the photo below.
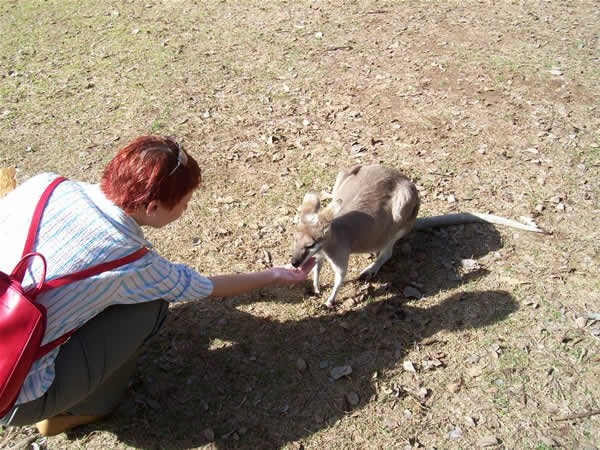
(80, 228)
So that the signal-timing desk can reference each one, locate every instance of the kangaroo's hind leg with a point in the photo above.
(383, 256)
(405, 207)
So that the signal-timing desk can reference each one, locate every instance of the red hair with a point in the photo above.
(148, 169)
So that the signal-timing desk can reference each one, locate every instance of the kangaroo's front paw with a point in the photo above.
(312, 293)
(329, 304)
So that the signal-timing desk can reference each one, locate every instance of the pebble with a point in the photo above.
(487, 441)
(340, 371)
(301, 365)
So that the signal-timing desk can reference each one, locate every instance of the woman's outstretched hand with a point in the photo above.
(240, 283)
(288, 274)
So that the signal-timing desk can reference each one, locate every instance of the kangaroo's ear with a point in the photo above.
(310, 204)
(329, 213)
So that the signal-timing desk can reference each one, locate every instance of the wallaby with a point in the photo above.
(371, 208)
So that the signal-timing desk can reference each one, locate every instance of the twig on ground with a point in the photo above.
(578, 416)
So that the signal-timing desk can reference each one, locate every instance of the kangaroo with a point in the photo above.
(372, 208)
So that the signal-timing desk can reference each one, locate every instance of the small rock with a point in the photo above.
(580, 322)
(225, 200)
(475, 371)
(470, 421)
(431, 363)
(455, 433)
(422, 393)
(487, 441)
(301, 365)
(454, 387)
(412, 292)
(469, 265)
(408, 366)
(340, 371)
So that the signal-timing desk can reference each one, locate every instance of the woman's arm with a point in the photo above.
(235, 284)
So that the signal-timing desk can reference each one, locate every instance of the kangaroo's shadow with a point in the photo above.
(432, 260)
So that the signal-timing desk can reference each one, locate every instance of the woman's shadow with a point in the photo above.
(218, 372)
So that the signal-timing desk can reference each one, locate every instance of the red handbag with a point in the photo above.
(23, 320)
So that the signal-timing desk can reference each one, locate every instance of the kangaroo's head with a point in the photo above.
(312, 230)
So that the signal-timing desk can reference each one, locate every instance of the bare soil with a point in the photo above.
(487, 106)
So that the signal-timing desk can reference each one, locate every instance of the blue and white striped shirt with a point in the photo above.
(80, 228)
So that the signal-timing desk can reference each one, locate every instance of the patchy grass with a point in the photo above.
(496, 105)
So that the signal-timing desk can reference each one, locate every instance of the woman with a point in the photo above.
(148, 183)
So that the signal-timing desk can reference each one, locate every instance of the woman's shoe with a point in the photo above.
(63, 422)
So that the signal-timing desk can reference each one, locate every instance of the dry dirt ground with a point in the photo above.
(487, 106)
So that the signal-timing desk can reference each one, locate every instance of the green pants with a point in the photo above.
(94, 366)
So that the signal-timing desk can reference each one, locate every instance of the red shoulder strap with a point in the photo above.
(37, 214)
(94, 270)
(33, 226)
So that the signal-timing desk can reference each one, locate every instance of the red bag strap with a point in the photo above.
(33, 227)
(94, 270)
(22, 266)
(37, 215)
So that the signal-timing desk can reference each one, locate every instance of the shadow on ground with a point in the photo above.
(214, 366)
